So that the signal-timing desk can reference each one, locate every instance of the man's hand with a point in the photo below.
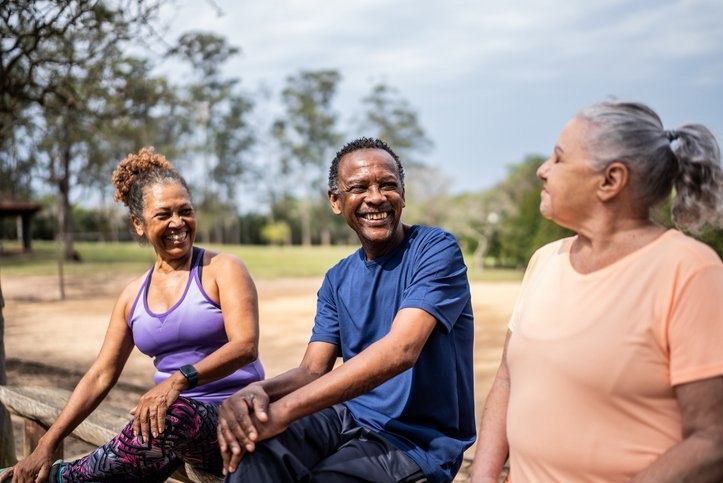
(239, 421)
(149, 415)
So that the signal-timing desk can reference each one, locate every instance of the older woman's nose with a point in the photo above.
(543, 169)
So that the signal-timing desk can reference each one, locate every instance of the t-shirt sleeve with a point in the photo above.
(439, 284)
(695, 331)
(326, 322)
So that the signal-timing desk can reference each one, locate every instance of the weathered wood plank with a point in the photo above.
(40, 407)
(43, 404)
(33, 432)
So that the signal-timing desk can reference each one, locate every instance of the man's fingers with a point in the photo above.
(261, 409)
(235, 458)
(229, 447)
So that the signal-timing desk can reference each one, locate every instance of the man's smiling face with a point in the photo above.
(371, 198)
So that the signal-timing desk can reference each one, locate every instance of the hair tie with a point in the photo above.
(670, 134)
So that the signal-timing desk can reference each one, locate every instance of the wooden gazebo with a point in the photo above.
(25, 210)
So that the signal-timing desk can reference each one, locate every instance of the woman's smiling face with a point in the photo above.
(169, 221)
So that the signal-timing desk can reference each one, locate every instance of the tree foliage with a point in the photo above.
(308, 135)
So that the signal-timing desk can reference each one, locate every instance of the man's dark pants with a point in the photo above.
(327, 446)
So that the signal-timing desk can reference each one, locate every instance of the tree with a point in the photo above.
(308, 137)
(391, 118)
(388, 116)
(222, 136)
(60, 82)
(40, 46)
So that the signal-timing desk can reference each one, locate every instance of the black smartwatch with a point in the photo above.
(191, 375)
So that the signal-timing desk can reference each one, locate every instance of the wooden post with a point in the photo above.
(33, 432)
(7, 440)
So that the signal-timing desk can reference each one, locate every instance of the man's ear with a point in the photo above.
(334, 202)
(404, 201)
(138, 226)
(614, 179)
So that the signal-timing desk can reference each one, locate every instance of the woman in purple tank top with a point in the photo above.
(194, 312)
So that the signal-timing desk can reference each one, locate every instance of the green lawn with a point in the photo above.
(262, 261)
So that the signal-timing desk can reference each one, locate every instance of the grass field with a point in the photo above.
(262, 261)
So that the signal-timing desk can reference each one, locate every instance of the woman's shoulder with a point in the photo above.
(130, 292)
(687, 249)
(216, 264)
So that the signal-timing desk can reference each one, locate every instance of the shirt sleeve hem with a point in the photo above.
(430, 309)
(697, 374)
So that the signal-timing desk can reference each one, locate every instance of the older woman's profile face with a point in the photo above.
(569, 179)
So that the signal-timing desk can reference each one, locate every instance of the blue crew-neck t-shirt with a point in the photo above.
(428, 410)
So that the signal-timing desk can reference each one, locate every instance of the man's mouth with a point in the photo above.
(375, 216)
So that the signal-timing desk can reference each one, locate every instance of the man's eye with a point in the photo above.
(357, 189)
(389, 186)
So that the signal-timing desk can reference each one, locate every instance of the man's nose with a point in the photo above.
(374, 195)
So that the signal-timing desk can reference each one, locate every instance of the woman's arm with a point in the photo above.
(226, 280)
(492, 448)
(86, 396)
(699, 456)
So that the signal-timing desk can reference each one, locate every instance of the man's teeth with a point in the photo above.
(376, 216)
(177, 236)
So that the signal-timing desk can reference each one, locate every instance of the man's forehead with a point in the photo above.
(361, 160)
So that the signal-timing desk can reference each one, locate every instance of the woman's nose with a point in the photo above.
(176, 219)
(543, 169)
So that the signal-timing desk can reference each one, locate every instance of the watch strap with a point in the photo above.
(191, 375)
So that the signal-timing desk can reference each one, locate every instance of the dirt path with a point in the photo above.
(51, 342)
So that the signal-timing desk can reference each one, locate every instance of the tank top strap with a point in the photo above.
(197, 263)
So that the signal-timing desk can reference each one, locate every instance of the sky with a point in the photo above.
(492, 81)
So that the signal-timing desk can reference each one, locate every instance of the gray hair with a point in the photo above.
(687, 158)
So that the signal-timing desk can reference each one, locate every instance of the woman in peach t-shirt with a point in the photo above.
(613, 364)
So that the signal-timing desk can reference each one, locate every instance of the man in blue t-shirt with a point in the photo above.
(398, 312)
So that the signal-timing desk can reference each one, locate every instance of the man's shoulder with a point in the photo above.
(431, 235)
(346, 263)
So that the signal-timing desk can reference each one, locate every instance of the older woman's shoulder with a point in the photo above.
(692, 250)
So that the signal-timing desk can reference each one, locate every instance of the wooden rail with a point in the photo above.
(40, 406)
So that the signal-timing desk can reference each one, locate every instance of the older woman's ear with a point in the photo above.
(615, 178)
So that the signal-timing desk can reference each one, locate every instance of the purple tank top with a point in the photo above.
(185, 334)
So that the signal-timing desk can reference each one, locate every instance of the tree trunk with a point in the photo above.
(7, 440)
(66, 225)
(306, 226)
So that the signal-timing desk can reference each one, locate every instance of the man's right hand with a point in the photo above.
(237, 428)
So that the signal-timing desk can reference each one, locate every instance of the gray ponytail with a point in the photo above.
(699, 186)
(658, 160)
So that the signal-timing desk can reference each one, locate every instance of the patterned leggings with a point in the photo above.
(190, 436)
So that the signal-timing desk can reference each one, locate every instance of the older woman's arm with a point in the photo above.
(492, 448)
(699, 457)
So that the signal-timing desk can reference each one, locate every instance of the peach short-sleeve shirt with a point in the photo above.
(593, 358)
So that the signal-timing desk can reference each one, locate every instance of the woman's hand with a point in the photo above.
(33, 468)
(149, 415)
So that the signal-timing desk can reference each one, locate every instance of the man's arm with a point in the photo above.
(391, 355)
(242, 422)
(246, 410)
(699, 457)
